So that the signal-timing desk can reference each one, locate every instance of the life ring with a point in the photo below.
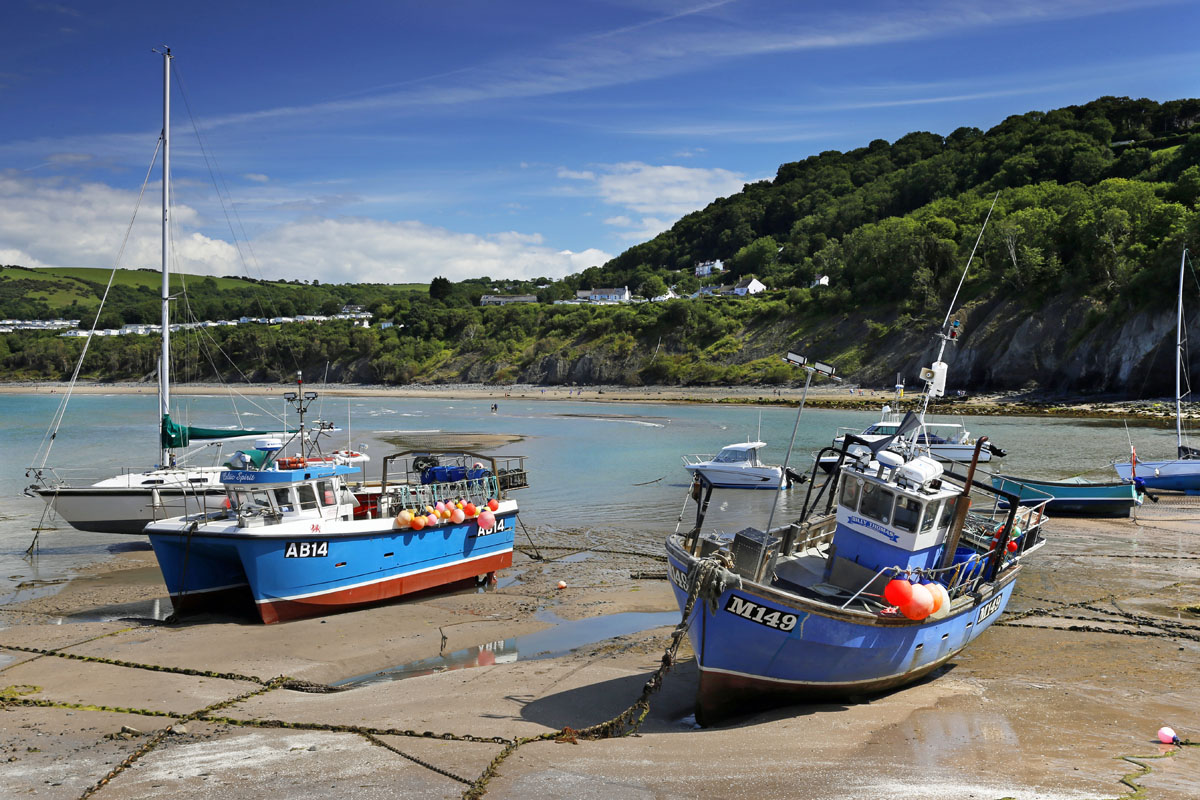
(289, 463)
(477, 465)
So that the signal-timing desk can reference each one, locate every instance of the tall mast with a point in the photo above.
(164, 366)
(1179, 360)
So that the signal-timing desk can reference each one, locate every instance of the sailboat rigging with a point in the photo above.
(126, 502)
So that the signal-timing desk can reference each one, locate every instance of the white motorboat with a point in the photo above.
(948, 442)
(737, 466)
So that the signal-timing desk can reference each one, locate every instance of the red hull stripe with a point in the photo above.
(281, 610)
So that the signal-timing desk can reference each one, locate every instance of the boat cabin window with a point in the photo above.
(876, 502)
(931, 512)
(283, 499)
(254, 501)
(884, 430)
(325, 492)
(733, 456)
(308, 498)
(850, 491)
(908, 513)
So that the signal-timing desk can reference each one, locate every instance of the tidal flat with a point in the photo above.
(458, 692)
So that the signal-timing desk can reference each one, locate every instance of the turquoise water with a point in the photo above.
(612, 468)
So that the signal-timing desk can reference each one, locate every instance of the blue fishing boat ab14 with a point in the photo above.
(302, 540)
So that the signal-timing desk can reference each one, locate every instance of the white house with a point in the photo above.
(748, 286)
(821, 281)
(662, 298)
(706, 268)
(621, 295)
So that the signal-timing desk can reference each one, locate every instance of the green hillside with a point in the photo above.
(1071, 287)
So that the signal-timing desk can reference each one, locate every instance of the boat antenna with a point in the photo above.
(301, 400)
(949, 331)
(810, 367)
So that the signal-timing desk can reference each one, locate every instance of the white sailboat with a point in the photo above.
(1182, 473)
(126, 502)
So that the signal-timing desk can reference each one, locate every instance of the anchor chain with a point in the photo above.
(373, 739)
(157, 738)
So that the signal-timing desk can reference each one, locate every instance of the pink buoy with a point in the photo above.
(487, 520)
(457, 516)
(1167, 735)
(920, 605)
(431, 520)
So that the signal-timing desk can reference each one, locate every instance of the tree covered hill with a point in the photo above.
(1093, 199)
(1072, 288)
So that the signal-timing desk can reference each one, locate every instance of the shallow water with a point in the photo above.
(562, 637)
(612, 469)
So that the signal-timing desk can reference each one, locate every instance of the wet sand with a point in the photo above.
(1094, 654)
(820, 395)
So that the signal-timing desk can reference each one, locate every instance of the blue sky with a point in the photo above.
(395, 141)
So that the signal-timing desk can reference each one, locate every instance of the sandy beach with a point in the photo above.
(1060, 699)
(820, 395)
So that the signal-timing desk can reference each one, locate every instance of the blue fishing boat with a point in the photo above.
(800, 612)
(299, 537)
(895, 564)
(1077, 496)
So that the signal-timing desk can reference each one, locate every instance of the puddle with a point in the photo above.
(562, 638)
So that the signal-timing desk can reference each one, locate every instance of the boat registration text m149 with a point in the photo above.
(989, 608)
(748, 609)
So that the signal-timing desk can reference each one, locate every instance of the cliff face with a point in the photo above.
(1062, 348)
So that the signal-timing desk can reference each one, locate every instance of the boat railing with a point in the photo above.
(398, 497)
(422, 468)
(694, 459)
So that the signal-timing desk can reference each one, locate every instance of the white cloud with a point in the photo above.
(659, 195)
(351, 250)
(257, 177)
(49, 222)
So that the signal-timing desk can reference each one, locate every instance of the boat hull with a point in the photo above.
(1114, 499)
(306, 572)
(1173, 475)
(734, 478)
(124, 510)
(815, 650)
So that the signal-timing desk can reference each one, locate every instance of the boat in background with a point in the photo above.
(737, 466)
(298, 538)
(179, 483)
(1182, 473)
(1077, 496)
(944, 441)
